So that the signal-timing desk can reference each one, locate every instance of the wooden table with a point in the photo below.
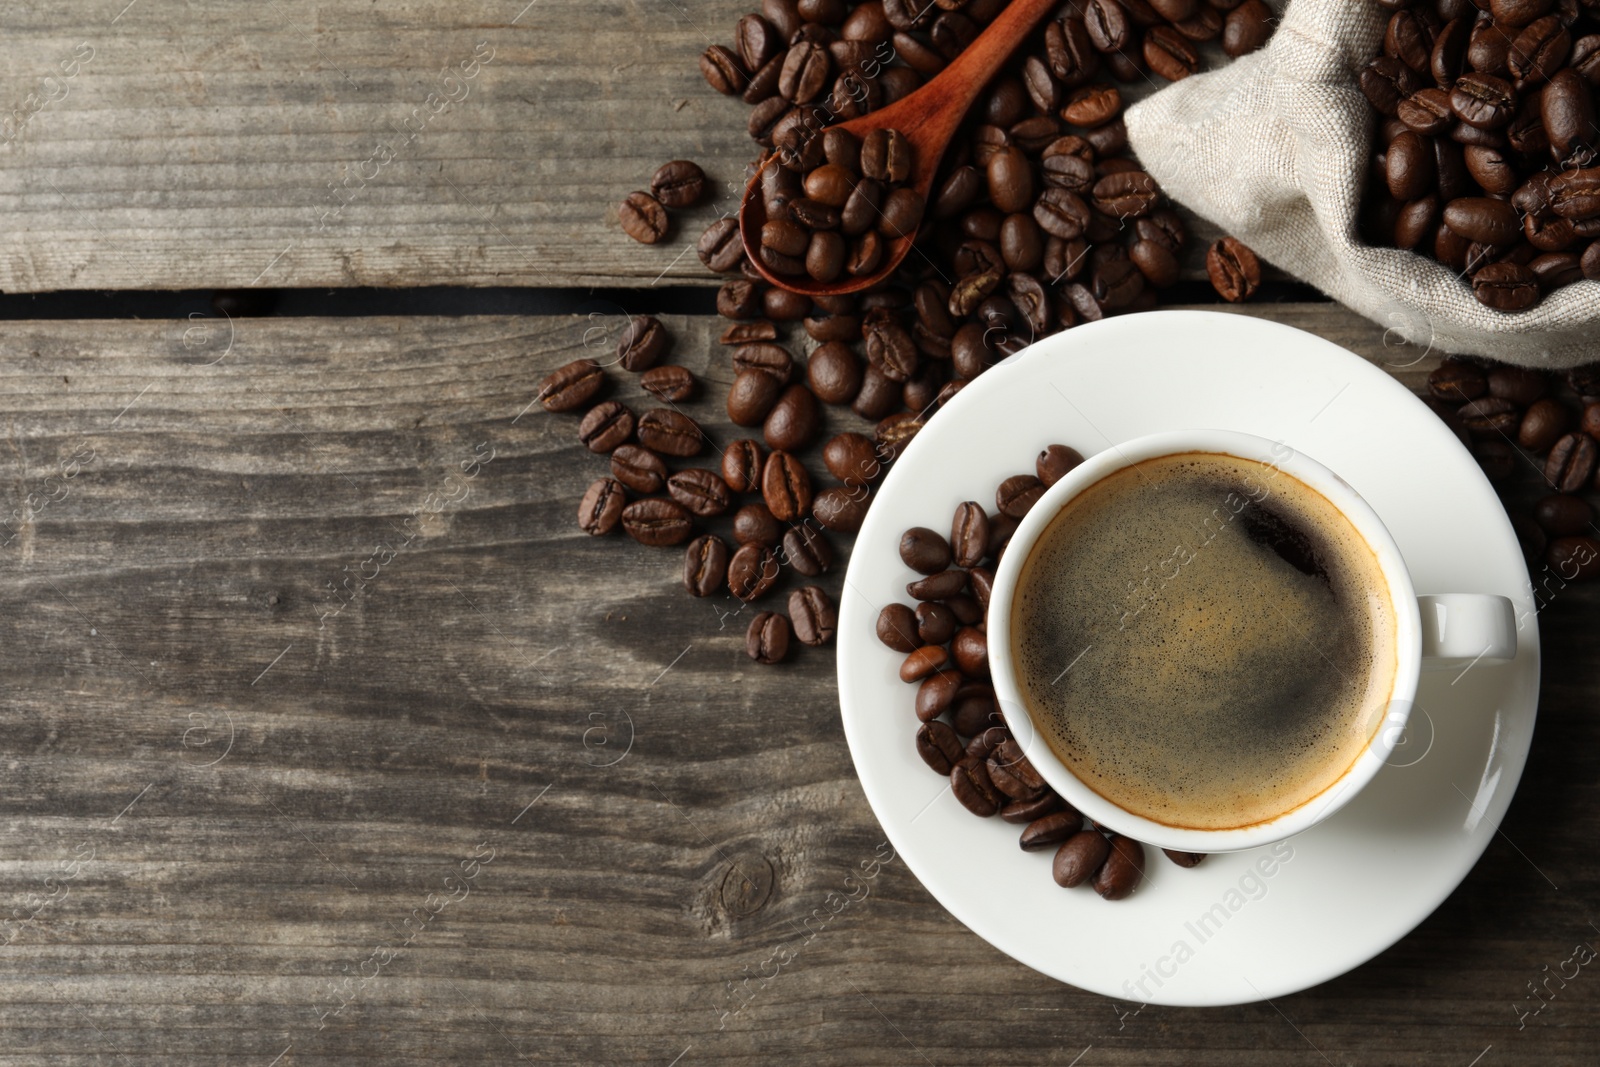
(513, 795)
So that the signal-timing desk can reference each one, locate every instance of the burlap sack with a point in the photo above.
(1274, 148)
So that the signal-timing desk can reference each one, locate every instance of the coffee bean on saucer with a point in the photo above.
(1079, 857)
(601, 507)
(678, 184)
(1023, 812)
(571, 385)
(936, 693)
(970, 651)
(974, 710)
(897, 628)
(643, 218)
(705, 565)
(939, 586)
(923, 662)
(985, 740)
(936, 623)
(1055, 462)
(812, 615)
(1049, 831)
(969, 534)
(938, 746)
(767, 640)
(1012, 774)
(924, 550)
(1017, 494)
(969, 781)
(1184, 859)
(1119, 875)
(657, 521)
(808, 551)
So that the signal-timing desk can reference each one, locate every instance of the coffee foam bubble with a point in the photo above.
(1202, 640)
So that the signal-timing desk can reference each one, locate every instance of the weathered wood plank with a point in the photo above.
(222, 809)
(309, 145)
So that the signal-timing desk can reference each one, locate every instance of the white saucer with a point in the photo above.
(1221, 933)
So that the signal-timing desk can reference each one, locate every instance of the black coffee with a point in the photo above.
(1204, 640)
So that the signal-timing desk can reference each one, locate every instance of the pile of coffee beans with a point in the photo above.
(1514, 415)
(841, 216)
(1487, 146)
(963, 733)
(676, 185)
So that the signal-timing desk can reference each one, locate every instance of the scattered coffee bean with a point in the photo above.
(639, 469)
(671, 384)
(1184, 859)
(643, 218)
(812, 615)
(705, 565)
(752, 571)
(841, 508)
(601, 507)
(1079, 857)
(939, 746)
(767, 640)
(786, 487)
(1017, 494)
(605, 426)
(1234, 270)
(657, 521)
(897, 628)
(924, 550)
(671, 433)
(642, 344)
(1049, 831)
(754, 523)
(701, 492)
(969, 781)
(939, 586)
(1119, 875)
(741, 466)
(678, 184)
(571, 386)
(1571, 463)
(1056, 462)
(923, 662)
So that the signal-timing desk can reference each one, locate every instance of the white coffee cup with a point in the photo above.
(1436, 631)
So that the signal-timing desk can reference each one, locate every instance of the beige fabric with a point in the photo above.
(1274, 149)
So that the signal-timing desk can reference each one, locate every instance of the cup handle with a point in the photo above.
(1460, 629)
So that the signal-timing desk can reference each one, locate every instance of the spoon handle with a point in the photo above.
(929, 116)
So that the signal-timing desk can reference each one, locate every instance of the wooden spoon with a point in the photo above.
(928, 118)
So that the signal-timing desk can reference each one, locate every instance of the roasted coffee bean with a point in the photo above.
(788, 239)
(669, 432)
(679, 184)
(1555, 269)
(886, 156)
(705, 565)
(1055, 463)
(769, 359)
(941, 586)
(786, 487)
(1520, 385)
(1079, 857)
(722, 70)
(1248, 27)
(812, 615)
(1479, 218)
(1184, 859)
(1011, 772)
(1542, 424)
(970, 651)
(981, 580)
(643, 218)
(702, 492)
(1489, 417)
(878, 395)
(1049, 831)
(1571, 463)
(754, 523)
(741, 466)
(1562, 514)
(720, 247)
(1426, 111)
(939, 746)
(1017, 494)
(1483, 101)
(1001, 527)
(897, 628)
(751, 397)
(752, 571)
(571, 385)
(1574, 558)
(890, 348)
(924, 550)
(807, 551)
(1023, 812)
(767, 640)
(1566, 107)
(923, 662)
(895, 432)
(936, 623)
(935, 694)
(975, 710)
(1497, 459)
(1456, 381)
(1234, 271)
(1119, 875)
(671, 383)
(851, 458)
(1061, 213)
(1386, 81)
(638, 468)
(1506, 286)
(901, 213)
(969, 535)
(969, 781)
(1538, 51)
(1126, 195)
(605, 426)
(657, 521)
(841, 509)
(1169, 53)
(793, 420)
(740, 300)
(1409, 169)
(1092, 105)
(601, 507)
(1575, 194)
(1590, 422)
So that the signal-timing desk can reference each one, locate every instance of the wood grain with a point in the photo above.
(223, 809)
(296, 145)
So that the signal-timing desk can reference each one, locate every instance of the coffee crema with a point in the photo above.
(1204, 640)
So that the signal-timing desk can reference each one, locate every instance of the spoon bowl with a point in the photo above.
(928, 118)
